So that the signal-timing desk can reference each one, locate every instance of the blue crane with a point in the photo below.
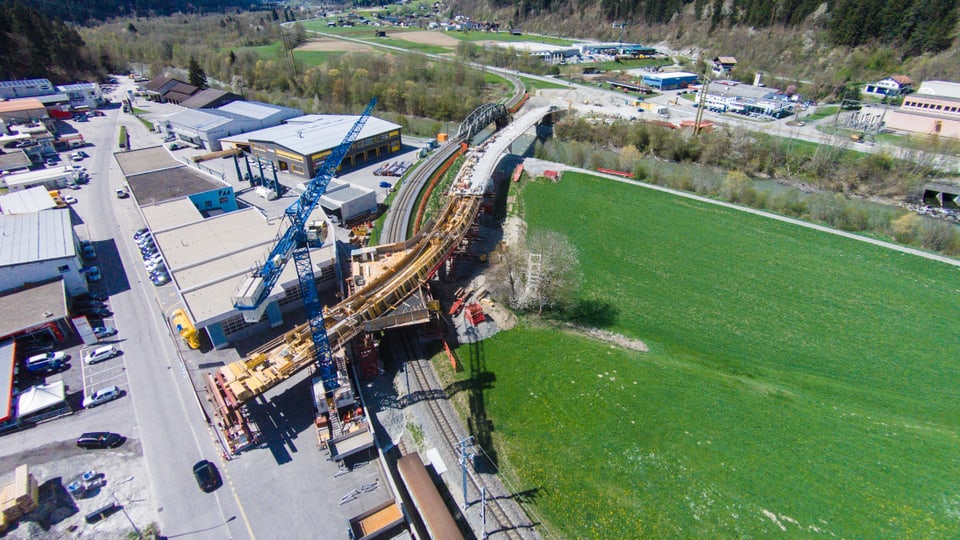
(293, 241)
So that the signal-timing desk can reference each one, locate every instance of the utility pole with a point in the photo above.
(701, 103)
(462, 451)
(124, 510)
(483, 513)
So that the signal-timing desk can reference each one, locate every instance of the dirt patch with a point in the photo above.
(333, 45)
(427, 38)
(610, 337)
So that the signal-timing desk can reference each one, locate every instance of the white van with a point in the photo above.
(101, 353)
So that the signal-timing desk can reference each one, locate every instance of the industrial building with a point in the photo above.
(733, 96)
(347, 201)
(933, 110)
(39, 247)
(204, 128)
(54, 178)
(210, 98)
(26, 201)
(301, 144)
(14, 159)
(23, 111)
(26, 88)
(210, 244)
(669, 81)
(81, 95)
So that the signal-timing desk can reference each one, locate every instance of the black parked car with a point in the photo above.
(100, 439)
(96, 311)
(208, 478)
(88, 304)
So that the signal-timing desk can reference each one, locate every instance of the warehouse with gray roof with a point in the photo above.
(205, 127)
(210, 243)
(301, 144)
(40, 246)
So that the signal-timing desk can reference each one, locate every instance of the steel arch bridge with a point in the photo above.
(483, 116)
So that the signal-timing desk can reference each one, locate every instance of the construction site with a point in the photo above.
(385, 288)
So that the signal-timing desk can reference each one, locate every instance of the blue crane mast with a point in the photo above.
(294, 241)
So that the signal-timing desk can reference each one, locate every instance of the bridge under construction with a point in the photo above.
(413, 264)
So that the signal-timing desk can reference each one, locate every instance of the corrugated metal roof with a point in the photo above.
(201, 99)
(342, 196)
(251, 109)
(25, 82)
(157, 83)
(14, 159)
(23, 104)
(26, 201)
(36, 237)
(197, 119)
(316, 136)
(184, 88)
(77, 86)
(53, 98)
(668, 76)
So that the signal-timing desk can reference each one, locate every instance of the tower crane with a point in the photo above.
(251, 297)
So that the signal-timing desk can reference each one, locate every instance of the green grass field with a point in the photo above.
(307, 58)
(507, 37)
(822, 112)
(797, 381)
(537, 83)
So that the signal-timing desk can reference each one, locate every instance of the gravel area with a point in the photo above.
(119, 473)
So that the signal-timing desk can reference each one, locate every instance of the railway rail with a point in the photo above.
(397, 222)
(495, 507)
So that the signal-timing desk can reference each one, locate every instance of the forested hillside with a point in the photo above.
(915, 26)
(89, 11)
(33, 45)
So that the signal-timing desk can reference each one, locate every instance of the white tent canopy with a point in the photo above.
(41, 397)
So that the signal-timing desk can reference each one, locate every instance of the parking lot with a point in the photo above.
(119, 475)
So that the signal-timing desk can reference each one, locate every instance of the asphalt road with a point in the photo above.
(165, 411)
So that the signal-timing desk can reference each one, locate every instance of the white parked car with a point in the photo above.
(100, 354)
(70, 199)
(101, 396)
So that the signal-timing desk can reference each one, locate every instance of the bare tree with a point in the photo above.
(542, 274)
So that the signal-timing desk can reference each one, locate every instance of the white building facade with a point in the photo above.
(42, 246)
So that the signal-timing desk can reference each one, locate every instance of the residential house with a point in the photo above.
(892, 86)
(723, 65)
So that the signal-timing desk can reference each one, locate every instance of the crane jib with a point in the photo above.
(299, 212)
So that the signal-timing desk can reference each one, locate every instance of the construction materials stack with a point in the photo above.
(19, 498)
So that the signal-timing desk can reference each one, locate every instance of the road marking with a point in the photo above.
(223, 465)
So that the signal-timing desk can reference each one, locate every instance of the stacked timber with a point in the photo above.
(20, 497)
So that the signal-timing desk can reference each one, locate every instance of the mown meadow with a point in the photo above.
(798, 383)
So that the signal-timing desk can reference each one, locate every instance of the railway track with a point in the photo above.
(500, 523)
(398, 215)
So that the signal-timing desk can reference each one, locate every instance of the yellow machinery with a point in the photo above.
(181, 323)
(215, 155)
(277, 360)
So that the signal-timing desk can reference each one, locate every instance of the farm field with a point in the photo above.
(797, 383)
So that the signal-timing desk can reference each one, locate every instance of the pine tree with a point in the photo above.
(196, 75)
